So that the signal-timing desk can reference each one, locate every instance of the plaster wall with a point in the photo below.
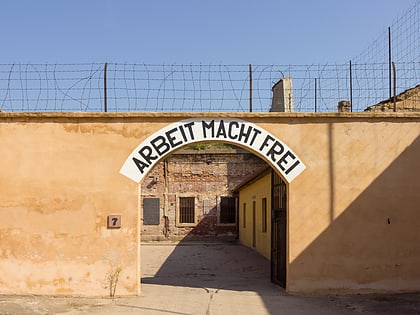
(352, 214)
(256, 192)
(59, 182)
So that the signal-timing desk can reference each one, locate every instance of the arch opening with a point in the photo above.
(254, 139)
(200, 178)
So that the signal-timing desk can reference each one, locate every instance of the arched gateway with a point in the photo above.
(236, 131)
(189, 131)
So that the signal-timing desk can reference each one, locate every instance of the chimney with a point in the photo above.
(343, 106)
(282, 96)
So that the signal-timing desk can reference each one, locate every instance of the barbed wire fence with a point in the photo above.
(94, 87)
(399, 44)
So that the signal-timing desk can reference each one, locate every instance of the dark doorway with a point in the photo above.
(278, 230)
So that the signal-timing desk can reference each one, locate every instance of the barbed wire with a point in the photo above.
(400, 43)
(217, 87)
(145, 87)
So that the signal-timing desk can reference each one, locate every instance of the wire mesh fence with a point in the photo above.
(142, 87)
(366, 80)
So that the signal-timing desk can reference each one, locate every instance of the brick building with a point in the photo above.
(190, 192)
(407, 101)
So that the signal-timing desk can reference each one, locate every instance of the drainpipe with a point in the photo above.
(165, 198)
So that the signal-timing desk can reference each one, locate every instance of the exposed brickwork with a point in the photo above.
(407, 101)
(206, 175)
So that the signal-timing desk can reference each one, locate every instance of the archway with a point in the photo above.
(284, 162)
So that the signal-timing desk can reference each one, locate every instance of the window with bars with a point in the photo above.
(186, 210)
(227, 210)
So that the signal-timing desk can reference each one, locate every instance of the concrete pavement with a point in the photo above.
(210, 278)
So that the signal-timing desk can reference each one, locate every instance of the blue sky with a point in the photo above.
(192, 31)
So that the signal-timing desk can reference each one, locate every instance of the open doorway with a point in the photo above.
(190, 200)
(261, 143)
(263, 217)
(201, 193)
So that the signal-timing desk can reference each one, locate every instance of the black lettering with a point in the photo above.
(146, 153)
(276, 149)
(265, 143)
(292, 167)
(244, 134)
(184, 136)
(208, 126)
(283, 161)
(230, 128)
(114, 221)
(256, 132)
(221, 131)
(160, 145)
(189, 127)
(140, 164)
(172, 138)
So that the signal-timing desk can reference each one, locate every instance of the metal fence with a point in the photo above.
(365, 80)
(141, 87)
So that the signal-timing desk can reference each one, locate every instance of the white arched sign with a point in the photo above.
(189, 131)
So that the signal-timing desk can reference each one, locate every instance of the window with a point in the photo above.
(151, 211)
(244, 216)
(264, 215)
(186, 210)
(227, 210)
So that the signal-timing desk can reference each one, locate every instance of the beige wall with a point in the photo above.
(60, 180)
(359, 174)
(256, 191)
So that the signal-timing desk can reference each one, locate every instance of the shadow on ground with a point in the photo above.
(209, 264)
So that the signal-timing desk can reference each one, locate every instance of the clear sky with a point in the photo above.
(192, 31)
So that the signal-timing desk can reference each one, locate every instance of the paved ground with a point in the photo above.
(210, 279)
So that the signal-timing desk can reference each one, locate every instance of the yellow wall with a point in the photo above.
(352, 214)
(59, 182)
(359, 174)
(256, 191)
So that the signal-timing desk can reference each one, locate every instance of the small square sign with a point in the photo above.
(114, 221)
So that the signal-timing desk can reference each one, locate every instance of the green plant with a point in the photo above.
(200, 146)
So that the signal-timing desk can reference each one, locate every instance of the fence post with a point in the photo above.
(105, 92)
(351, 88)
(250, 88)
(315, 96)
(395, 87)
(389, 61)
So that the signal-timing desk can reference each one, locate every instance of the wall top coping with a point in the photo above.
(139, 116)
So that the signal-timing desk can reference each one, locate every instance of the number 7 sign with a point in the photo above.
(114, 221)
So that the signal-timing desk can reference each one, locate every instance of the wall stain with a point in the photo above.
(127, 131)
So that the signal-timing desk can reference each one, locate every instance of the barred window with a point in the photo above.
(227, 210)
(186, 210)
